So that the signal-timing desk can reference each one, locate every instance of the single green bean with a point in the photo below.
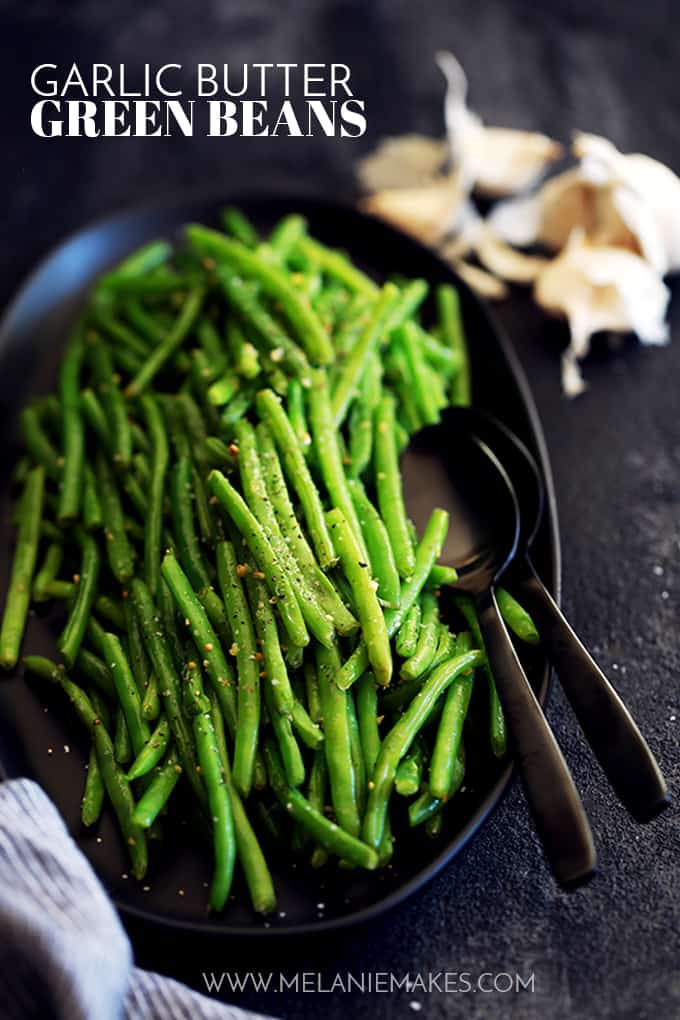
(48, 571)
(337, 744)
(23, 567)
(450, 729)
(378, 545)
(307, 729)
(516, 617)
(112, 651)
(407, 635)
(153, 523)
(410, 769)
(268, 640)
(425, 806)
(498, 734)
(157, 793)
(73, 433)
(243, 354)
(80, 609)
(93, 518)
(389, 488)
(118, 548)
(38, 443)
(94, 792)
(224, 837)
(370, 614)
(248, 669)
(453, 334)
(239, 226)
(152, 752)
(337, 266)
(119, 432)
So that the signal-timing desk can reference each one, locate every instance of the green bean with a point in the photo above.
(353, 367)
(337, 744)
(293, 765)
(48, 571)
(337, 266)
(204, 637)
(426, 646)
(497, 728)
(316, 795)
(450, 729)
(427, 552)
(268, 640)
(110, 609)
(40, 666)
(367, 717)
(119, 432)
(389, 488)
(80, 609)
(23, 567)
(453, 333)
(275, 342)
(92, 512)
(38, 443)
(122, 747)
(137, 655)
(239, 226)
(248, 670)
(356, 752)
(270, 410)
(153, 522)
(106, 320)
(126, 688)
(224, 837)
(398, 741)
(96, 418)
(423, 394)
(442, 575)
(236, 408)
(95, 671)
(410, 769)
(224, 388)
(170, 345)
(320, 585)
(249, 852)
(407, 635)
(94, 792)
(152, 752)
(274, 282)
(312, 692)
(361, 417)
(370, 614)
(157, 793)
(307, 729)
(159, 646)
(328, 456)
(516, 617)
(118, 547)
(127, 361)
(73, 433)
(193, 420)
(145, 323)
(286, 234)
(142, 261)
(425, 806)
(243, 355)
(378, 544)
(335, 839)
(278, 583)
(295, 409)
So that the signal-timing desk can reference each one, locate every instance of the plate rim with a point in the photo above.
(499, 790)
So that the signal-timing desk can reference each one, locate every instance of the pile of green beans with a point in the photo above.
(213, 498)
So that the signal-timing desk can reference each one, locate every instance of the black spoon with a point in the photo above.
(458, 472)
(607, 724)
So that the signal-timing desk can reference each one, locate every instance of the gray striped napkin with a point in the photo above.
(63, 952)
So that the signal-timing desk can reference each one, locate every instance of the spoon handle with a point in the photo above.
(607, 724)
(556, 806)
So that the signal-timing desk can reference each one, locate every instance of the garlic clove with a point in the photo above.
(504, 261)
(548, 216)
(427, 213)
(495, 161)
(409, 161)
(601, 288)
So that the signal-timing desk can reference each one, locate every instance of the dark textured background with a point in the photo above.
(609, 950)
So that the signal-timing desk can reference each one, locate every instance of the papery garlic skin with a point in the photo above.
(408, 161)
(601, 288)
(495, 161)
(428, 213)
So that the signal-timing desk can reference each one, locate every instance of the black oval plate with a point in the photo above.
(38, 735)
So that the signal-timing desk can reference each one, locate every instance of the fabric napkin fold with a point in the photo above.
(64, 954)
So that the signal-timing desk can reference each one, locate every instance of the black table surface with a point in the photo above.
(610, 949)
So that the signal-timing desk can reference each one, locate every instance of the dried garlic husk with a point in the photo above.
(427, 213)
(494, 161)
(645, 194)
(601, 288)
(485, 284)
(409, 161)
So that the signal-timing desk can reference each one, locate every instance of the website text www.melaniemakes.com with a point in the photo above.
(368, 982)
